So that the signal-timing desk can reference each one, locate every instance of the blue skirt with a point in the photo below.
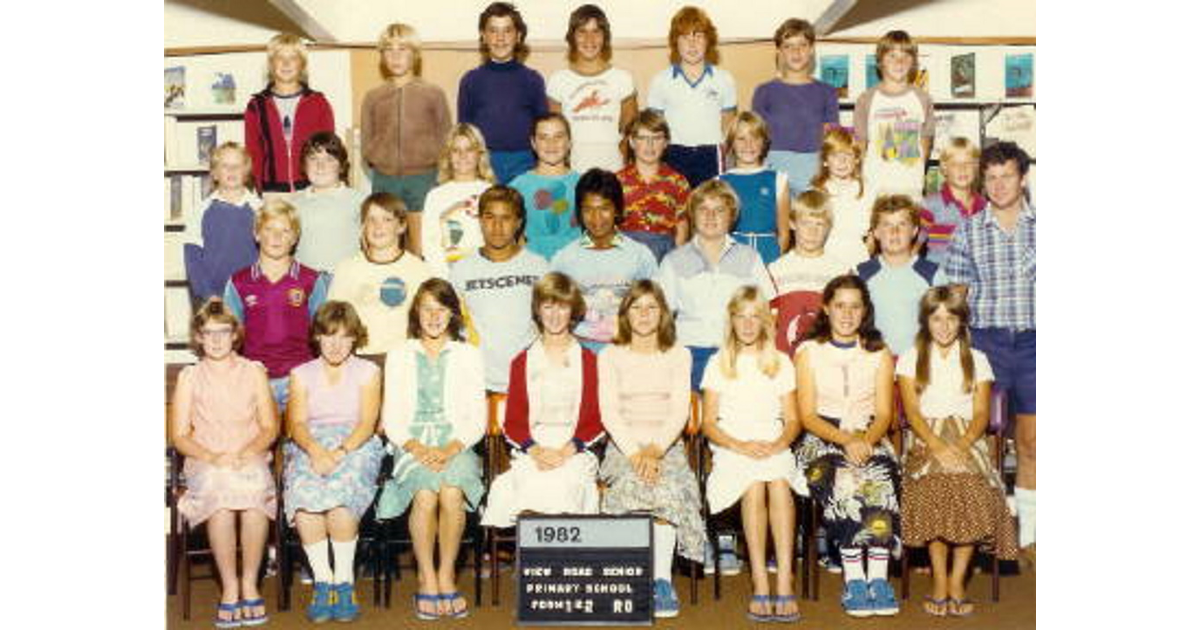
(463, 471)
(350, 485)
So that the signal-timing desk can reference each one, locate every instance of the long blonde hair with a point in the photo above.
(768, 358)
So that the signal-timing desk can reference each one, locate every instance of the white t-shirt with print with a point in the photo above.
(592, 104)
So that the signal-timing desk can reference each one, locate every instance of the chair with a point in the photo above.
(998, 424)
(392, 538)
(291, 550)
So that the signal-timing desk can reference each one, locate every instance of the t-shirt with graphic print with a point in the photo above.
(893, 126)
(592, 105)
(381, 294)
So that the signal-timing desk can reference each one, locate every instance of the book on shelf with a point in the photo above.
(188, 143)
(178, 314)
(173, 265)
(206, 141)
(174, 87)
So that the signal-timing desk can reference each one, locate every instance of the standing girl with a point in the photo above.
(549, 189)
(224, 422)
(450, 227)
(552, 415)
(750, 422)
(953, 494)
(644, 400)
(219, 238)
(280, 119)
(763, 222)
(328, 209)
(844, 379)
(331, 463)
(597, 99)
(796, 107)
(404, 121)
(841, 179)
(434, 412)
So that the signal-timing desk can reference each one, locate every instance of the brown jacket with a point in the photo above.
(403, 129)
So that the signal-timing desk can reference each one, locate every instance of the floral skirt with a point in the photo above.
(351, 485)
(675, 498)
(858, 502)
(209, 489)
(462, 471)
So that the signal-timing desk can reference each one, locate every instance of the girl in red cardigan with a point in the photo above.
(553, 414)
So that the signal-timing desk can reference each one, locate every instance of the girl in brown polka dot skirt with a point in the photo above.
(953, 495)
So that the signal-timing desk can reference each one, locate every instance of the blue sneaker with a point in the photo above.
(321, 608)
(855, 600)
(666, 603)
(883, 599)
(344, 606)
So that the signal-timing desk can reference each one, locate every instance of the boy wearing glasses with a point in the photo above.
(655, 194)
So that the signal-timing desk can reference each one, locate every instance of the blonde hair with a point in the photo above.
(215, 157)
(962, 148)
(757, 127)
(400, 34)
(287, 41)
(838, 139)
(768, 359)
(812, 203)
(896, 40)
(471, 133)
(277, 209)
(717, 189)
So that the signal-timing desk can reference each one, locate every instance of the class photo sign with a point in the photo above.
(584, 570)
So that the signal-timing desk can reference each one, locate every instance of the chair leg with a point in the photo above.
(477, 553)
(904, 553)
(995, 578)
(185, 592)
(494, 560)
(813, 568)
(695, 586)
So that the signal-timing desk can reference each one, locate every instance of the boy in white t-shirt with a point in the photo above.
(894, 122)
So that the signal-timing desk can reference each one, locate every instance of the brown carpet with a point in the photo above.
(1015, 610)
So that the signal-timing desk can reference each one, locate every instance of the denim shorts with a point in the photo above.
(410, 188)
(279, 391)
(509, 164)
(1013, 356)
(660, 244)
(800, 168)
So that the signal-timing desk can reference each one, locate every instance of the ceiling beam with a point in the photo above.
(830, 16)
(306, 20)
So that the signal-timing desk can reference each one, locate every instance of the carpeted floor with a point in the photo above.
(1015, 610)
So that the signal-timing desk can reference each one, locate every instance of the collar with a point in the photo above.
(585, 241)
(677, 71)
(502, 66)
(310, 192)
(256, 272)
(949, 199)
(1025, 215)
(248, 199)
(695, 245)
(883, 263)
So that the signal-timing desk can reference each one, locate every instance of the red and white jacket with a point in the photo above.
(277, 165)
(588, 427)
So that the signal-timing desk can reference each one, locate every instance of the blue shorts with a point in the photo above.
(800, 168)
(279, 391)
(409, 188)
(765, 243)
(700, 357)
(697, 164)
(1013, 355)
(509, 164)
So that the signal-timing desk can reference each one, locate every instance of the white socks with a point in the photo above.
(664, 550)
(877, 563)
(1026, 515)
(852, 563)
(318, 559)
(343, 561)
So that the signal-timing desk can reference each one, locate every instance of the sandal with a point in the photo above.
(426, 597)
(779, 617)
(234, 619)
(248, 617)
(961, 607)
(450, 598)
(761, 617)
(935, 607)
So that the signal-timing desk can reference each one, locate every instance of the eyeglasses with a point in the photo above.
(216, 333)
(656, 138)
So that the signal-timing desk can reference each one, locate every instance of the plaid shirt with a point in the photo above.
(999, 267)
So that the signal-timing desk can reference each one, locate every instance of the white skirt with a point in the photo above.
(568, 489)
(733, 473)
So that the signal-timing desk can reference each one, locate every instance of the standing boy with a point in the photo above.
(496, 284)
(603, 262)
(994, 255)
(896, 276)
(503, 96)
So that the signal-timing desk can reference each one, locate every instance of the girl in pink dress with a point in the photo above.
(223, 421)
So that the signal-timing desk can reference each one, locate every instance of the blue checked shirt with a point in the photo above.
(999, 267)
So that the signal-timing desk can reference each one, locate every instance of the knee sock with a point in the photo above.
(1026, 515)
(877, 563)
(343, 561)
(318, 559)
(664, 550)
(852, 563)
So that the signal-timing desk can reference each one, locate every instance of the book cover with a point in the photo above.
(835, 70)
(922, 78)
(1016, 124)
(872, 72)
(962, 76)
(206, 141)
(174, 85)
(175, 211)
(1018, 75)
(224, 89)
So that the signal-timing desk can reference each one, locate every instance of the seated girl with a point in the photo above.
(750, 421)
(645, 397)
(953, 494)
(844, 380)
(223, 421)
(332, 461)
(552, 415)
(434, 412)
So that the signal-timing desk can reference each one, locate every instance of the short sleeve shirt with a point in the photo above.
(693, 110)
(944, 396)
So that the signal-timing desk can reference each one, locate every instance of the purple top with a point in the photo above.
(337, 403)
(276, 314)
(228, 236)
(502, 99)
(796, 114)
